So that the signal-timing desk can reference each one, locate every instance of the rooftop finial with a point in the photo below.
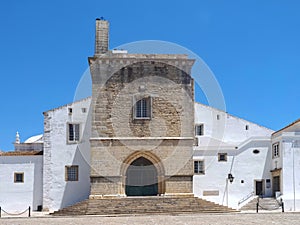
(17, 138)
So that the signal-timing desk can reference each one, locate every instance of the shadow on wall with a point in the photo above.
(266, 174)
(76, 191)
(248, 167)
(37, 201)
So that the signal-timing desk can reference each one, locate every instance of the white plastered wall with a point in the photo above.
(16, 197)
(58, 153)
(238, 138)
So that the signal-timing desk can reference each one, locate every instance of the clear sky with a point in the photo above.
(252, 47)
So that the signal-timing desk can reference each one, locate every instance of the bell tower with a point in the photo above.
(142, 122)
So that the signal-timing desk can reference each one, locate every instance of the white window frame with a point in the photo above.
(199, 167)
(275, 150)
(76, 133)
(143, 108)
(199, 129)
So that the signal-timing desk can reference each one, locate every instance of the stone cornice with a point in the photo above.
(139, 138)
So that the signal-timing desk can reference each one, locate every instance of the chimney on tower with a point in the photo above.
(102, 36)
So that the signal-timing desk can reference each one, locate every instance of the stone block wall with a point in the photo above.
(166, 138)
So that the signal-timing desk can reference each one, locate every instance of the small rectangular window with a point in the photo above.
(218, 117)
(275, 150)
(19, 177)
(83, 110)
(199, 130)
(142, 108)
(71, 173)
(70, 110)
(222, 157)
(199, 167)
(247, 127)
(73, 132)
(268, 183)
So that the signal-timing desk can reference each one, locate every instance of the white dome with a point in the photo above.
(35, 139)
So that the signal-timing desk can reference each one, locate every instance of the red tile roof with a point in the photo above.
(21, 153)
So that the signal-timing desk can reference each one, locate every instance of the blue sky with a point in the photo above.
(252, 47)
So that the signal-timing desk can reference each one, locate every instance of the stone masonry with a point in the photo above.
(118, 137)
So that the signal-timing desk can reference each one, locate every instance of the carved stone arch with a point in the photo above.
(153, 159)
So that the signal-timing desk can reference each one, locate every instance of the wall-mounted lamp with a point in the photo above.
(230, 177)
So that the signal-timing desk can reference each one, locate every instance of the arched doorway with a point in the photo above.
(141, 178)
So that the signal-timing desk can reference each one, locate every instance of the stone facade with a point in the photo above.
(119, 138)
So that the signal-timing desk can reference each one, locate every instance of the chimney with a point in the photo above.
(102, 36)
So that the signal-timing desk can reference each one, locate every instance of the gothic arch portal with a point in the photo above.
(151, 160)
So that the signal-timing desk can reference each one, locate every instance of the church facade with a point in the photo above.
(142, 114)
(142, 134)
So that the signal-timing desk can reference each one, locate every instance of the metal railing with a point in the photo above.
(246, 197)
(280, 204)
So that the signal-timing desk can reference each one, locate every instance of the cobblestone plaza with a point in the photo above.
(207, 219)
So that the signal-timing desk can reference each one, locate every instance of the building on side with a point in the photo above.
(66, 168)
(34, 143)
(285, 165)
(21, 180)
(229, 146)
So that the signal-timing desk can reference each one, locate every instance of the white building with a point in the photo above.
(262, 162)
(21, 179)
(230, 145)
(66, 170)
(285, 164)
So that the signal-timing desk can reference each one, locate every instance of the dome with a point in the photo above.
(35, 139)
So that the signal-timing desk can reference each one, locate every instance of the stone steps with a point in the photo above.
(264, 203)
(143, 205)
(250, 205)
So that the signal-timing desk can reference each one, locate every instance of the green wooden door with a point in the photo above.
(141, 178)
